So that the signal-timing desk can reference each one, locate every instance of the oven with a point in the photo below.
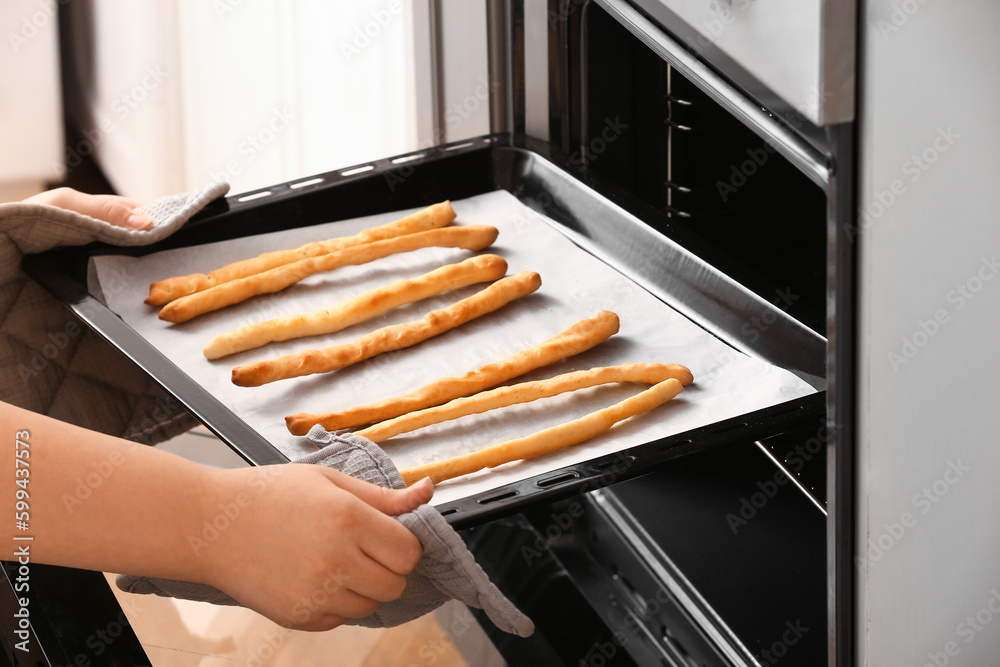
(726, 126)
(676, 141)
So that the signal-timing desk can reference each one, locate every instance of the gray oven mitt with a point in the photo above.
(447, 569)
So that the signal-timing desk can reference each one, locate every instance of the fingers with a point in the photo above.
(384, 539)
(333, 552)
(392, 545)
(389, 501)
(118, 211)
(372, 581)
(353, 605)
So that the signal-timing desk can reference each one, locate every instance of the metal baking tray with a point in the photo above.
(608, 223)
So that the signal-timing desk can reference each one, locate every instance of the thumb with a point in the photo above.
(388, 501)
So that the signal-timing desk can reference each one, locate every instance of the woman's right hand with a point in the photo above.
(308, 546)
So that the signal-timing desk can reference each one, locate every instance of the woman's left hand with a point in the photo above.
(119, 211)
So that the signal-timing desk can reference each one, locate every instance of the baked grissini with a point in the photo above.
(390, 338)
(526, 392)
(547, 440)
(478, 269)
(470, 237)
(579, 337)
(432, 217)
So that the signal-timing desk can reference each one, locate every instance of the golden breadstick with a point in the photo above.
(545, 441)
(471, 237)
(578, 338)
(478, 269)
(390, 338)
(524, 393)
(432, 217)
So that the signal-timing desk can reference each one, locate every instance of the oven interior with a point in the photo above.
(721, 190)
(719, 558)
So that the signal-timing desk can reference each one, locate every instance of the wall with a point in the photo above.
(929, 313)
(31, 127)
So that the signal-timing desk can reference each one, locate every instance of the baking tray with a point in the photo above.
(607, 223)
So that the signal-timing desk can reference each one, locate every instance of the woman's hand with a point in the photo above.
(310, 547)
(119, 211)
(305, 545)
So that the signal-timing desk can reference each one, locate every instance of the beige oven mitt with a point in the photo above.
(52, 364)
(447, 569)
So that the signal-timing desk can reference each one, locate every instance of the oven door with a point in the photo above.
(786, 53)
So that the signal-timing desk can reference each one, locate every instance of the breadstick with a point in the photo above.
(471, 237)
(524, 393)
(390, 338)
(545, 441)
(578, 338)
(478, 269)
(432, 217)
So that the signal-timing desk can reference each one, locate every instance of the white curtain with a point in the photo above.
(247, 91)
(31, 127)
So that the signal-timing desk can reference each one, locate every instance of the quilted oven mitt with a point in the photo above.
(447, 569)
(86, 383)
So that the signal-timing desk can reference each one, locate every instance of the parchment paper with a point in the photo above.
(575, 285)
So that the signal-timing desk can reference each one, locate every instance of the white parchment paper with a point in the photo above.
(575, 285)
